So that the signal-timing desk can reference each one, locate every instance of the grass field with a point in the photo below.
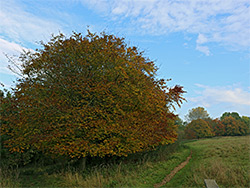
(225, 159)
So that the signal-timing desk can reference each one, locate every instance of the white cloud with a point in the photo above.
(232, 95)
(98, 5)
(12, 50)
(201, 39)
(203, 49)
(225, 22)
(6, 46)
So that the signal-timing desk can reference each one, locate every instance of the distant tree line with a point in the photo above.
(200, 125)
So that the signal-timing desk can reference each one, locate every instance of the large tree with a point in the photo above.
(198, 128)
(90, 96)
(181, 127)
(232, 126)
(235, 124)
(218, 127)
(245, 127)
(197, 113)
(235, 115)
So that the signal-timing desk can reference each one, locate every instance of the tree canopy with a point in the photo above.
(198, 128)
(89, 96)
(197, 113)
(235, 115)
(235, 125)
(229, 124)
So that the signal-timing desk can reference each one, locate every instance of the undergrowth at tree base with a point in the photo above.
(225, 159)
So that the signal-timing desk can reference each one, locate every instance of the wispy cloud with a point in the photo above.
(233, 95)
(225, 22)
(203, 49)
(17, 24)
(19, 29)
(201, 39)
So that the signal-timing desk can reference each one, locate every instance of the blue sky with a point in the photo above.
(203, 45)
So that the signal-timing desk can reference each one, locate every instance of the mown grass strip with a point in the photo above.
(176, 170)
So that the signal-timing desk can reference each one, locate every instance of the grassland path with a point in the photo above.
(173, 172)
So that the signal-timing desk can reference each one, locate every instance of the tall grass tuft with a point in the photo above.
(9, 177)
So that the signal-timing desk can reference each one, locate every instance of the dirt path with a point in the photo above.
(171, 175)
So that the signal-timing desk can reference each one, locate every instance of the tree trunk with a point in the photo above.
(82, 164)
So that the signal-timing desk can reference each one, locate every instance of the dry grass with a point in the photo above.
(102, 176)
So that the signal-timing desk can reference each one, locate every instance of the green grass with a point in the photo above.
(139, 170)
(225, 159)
(144, 174)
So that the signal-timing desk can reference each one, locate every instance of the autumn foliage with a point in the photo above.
(218, 128)
(198, 128)
(89, 96)
(197, 113)
(229, 124)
